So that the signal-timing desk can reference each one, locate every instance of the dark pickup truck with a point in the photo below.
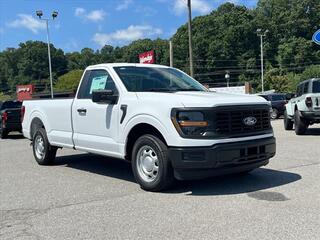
(10, 112)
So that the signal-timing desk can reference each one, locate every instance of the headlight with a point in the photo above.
(190, 123)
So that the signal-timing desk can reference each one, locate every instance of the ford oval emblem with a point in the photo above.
(316, 37)
(249, 121)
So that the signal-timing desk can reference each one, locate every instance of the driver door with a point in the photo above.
(95, 125)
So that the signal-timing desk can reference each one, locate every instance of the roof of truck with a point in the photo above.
(309, 80)
(125, 65)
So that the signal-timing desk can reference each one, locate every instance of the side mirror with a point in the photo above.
(104, 96)
(289, 96)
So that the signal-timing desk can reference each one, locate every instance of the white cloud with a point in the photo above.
(124, 5)
(200, 6)
(94, 16)
(133, 32)
(79, 11)
(29, 22)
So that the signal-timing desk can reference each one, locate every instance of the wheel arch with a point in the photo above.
(137, 131)
(36, 123)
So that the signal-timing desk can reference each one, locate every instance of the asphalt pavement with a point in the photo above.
(84, 196)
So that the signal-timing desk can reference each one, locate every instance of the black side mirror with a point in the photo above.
(289, 96)
(104, 96)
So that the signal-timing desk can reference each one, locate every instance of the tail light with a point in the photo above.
(4, 118)
(23, 110)
(309, 102)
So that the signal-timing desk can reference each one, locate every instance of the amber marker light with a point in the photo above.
(193, 123)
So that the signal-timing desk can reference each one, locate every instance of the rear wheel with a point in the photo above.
(300, 125)
(150, 164)
(3, 133)
(288, 123)
(43, 152)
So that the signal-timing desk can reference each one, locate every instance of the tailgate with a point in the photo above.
(13, 115)
(316, 102)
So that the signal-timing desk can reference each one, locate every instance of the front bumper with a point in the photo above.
(220, 159)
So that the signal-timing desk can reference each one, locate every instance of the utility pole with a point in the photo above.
(54, 15)
(49, 57)
(262, 34)
(190, 38)
(171, 53)
(227, 77)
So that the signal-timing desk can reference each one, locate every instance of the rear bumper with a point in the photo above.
(220, 159)
(12, 126)
(313, 116)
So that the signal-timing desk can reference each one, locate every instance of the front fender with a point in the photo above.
(147, 119)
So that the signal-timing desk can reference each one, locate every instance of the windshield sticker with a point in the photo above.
(98, 83)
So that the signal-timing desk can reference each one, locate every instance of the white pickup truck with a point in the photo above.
(166, 123)
(304, 109)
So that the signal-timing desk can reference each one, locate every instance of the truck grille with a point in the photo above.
(231, 122)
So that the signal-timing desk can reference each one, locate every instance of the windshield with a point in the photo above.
(147, 79)
(316, 86)
(278, 97)
(11, 104)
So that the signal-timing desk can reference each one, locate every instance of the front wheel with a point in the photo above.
(151, 165)
(43, 152)
(288, 124)
(274, 114)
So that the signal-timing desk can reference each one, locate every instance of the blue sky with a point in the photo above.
(93, 23)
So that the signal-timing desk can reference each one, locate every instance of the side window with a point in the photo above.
(95, 80)
(306, 88)
(299, 90)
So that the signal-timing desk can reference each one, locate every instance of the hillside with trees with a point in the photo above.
(224, 40)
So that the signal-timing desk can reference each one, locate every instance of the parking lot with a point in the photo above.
(84, 196)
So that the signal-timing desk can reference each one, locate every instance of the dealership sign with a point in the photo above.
(316, 37)
(147, 57)
(24, 92)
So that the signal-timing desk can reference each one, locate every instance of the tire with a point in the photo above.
(3, 133)
(43, 152)
(288, 123)
(300, 125)
(274, 114)
(150, 164)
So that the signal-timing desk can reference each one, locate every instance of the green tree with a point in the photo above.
(33, 61)
(4, 97)
(69, 81)
(295, 53)
(310, 72)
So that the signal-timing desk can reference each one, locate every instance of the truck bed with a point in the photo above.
(59, 127)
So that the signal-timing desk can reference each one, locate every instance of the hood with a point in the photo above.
(201, 99)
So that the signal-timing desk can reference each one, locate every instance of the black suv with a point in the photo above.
(10, 112)
(278, 102)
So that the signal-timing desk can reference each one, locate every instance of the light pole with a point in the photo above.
(227, 77)
(54, 15)
(190, 38)
(262, 34)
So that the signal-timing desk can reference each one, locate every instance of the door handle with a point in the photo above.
(82, 110)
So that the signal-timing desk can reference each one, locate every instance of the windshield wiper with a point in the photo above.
(159, 90)
(186, 89)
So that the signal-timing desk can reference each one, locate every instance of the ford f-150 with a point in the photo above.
(160, 119)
